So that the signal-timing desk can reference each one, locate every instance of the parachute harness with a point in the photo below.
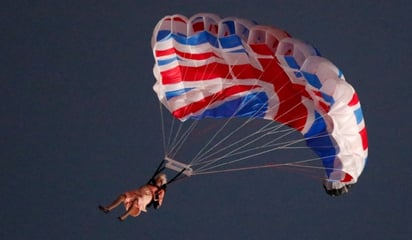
(162, 166)
(152, 181)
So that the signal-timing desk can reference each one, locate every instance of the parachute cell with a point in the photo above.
(208, 67)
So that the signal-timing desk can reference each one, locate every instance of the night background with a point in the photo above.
(80, 124)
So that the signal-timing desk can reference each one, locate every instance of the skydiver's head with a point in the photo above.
(336, 188)
(161, 179)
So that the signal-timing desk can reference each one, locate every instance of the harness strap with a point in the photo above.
(159, 169)
(152, 182)
(176, 176)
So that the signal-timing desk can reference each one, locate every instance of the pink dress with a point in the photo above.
(138, 199)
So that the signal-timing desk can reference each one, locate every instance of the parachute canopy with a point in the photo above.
(208, 67)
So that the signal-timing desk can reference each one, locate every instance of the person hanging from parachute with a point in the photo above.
(208, 67)
(136, 201)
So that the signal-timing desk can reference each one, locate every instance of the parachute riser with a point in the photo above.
(183, 170)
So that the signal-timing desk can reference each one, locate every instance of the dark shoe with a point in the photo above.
(103, 209)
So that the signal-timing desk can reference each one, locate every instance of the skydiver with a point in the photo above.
(137, 200)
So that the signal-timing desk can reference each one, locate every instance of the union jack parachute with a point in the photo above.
(231, 68)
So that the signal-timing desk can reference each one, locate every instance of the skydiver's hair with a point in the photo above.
(162, 177)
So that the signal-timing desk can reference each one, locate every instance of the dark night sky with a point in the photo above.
(79, 124)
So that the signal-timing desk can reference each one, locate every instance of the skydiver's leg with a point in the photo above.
(134, 211)
(114, 204)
